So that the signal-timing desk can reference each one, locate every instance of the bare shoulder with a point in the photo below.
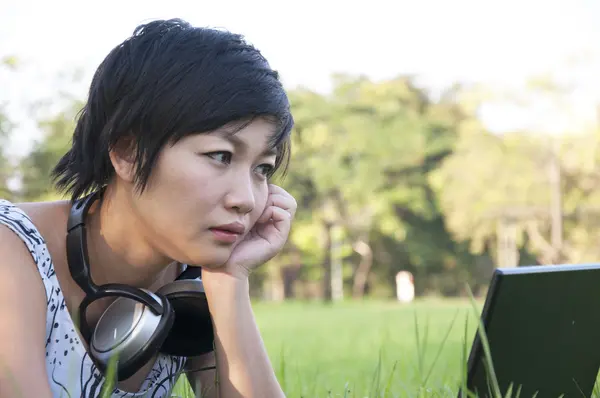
(17, 261)
(23, 307)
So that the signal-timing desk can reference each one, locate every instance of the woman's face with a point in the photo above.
(202, 182)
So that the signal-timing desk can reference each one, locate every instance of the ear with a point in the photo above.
(122, 157)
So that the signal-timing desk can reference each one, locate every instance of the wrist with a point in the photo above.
(223, 288)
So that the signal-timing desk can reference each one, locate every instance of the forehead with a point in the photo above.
(254, 136)
(259, 128)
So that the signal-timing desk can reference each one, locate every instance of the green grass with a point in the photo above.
(367, 349)
(320, 350)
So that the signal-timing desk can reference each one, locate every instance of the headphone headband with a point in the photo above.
(77, 255)
(80, 208)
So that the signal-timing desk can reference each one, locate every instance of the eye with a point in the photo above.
(267, 169)
(220, 156)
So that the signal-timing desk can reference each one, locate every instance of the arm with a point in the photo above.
(23, 329)
(243, 366)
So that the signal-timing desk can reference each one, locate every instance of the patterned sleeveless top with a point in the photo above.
(70, 371)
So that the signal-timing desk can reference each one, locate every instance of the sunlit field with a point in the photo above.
(368, 349)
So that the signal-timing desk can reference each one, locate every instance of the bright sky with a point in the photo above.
(498, 42)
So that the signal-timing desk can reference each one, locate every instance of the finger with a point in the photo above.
(274, 214)
(277, 189)
(278, 214)
(281, 219)
(266, 215)
(287, 203)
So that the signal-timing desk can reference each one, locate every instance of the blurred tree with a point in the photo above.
(524, 189)
(36, 167)
(5, 166)
(8, 63)
(361, 160)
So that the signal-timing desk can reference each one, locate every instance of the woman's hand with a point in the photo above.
(264, 240)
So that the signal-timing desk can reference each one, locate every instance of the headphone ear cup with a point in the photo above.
(130, 331)
(192, 332)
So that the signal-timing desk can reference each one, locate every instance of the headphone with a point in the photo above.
(139, 324)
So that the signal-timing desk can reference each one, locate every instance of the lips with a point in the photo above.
(234, 228)
(228, 233)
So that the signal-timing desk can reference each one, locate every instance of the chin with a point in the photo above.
(216, 260)
(206, 255)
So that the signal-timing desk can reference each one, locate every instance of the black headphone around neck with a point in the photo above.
(138, 324)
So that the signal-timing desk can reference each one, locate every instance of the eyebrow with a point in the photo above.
(238, 142)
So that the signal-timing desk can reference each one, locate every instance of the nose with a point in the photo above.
(241, 196)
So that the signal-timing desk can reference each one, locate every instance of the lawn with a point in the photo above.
(368, 349)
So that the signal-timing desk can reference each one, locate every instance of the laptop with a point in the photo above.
(543, 328)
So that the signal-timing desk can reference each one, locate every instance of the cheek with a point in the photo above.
(175, 171)
(261, 203)
(182, 176)
(179, 189)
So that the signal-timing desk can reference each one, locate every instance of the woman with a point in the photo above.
(182, 130)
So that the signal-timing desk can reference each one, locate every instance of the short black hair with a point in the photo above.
(169, 80)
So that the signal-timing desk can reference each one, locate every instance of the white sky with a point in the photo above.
(499, 42)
